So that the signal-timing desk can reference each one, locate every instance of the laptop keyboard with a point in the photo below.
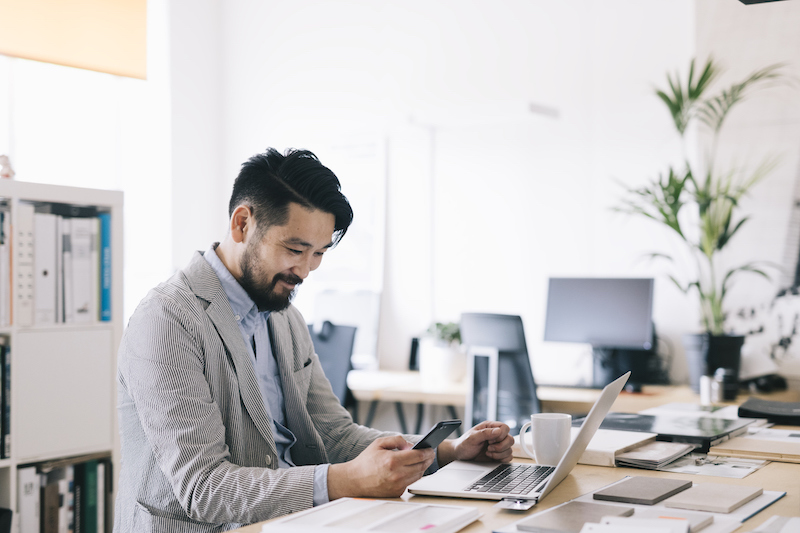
(511, 479)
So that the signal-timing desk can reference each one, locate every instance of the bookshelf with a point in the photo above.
(62, 370)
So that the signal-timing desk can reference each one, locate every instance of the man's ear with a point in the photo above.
(242, 223)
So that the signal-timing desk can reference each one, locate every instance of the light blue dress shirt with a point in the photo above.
(255, 332)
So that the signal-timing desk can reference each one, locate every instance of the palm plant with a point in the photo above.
(710, 196)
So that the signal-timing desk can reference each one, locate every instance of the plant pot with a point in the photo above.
(705, 353)
(440, 363)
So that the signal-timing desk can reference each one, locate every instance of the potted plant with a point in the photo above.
(441, 358)
(697, 202)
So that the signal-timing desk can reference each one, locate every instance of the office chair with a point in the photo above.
(334, 346)
(505, 359)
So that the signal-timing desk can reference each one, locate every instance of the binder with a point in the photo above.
(83, 307)
(24, 278)
(45, 272)
(105, 266)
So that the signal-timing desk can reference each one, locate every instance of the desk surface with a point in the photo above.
(409, 387)
(585, 479)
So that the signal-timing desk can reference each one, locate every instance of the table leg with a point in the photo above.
(401, 416)
(371, 413)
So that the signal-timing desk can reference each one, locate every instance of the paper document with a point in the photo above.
(354, 515)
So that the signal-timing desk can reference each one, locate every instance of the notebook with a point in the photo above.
(490, 481)
(713, 497)
(642, 490)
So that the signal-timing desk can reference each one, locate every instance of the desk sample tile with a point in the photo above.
(642, 490)
(714, 497)
(570, 517)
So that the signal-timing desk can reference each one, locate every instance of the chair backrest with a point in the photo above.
(515, 387)
(334, 346)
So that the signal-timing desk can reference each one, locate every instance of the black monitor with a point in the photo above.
(501, 381)
(614, 315)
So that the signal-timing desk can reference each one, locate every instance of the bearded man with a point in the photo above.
(226, 417)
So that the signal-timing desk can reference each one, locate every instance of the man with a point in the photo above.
(226, 417)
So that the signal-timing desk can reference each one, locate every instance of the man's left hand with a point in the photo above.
(488, 441)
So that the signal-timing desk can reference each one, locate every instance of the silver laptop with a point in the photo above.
(493, 481)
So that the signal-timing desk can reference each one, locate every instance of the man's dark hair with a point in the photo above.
(269, 182)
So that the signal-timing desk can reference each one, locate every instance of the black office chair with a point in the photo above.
(334, 346)
(516, 388)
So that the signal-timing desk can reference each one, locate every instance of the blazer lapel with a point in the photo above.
(204, 283)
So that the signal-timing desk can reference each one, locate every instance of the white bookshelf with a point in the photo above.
(63, 391)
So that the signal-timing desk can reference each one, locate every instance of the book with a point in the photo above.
(642, 490)
(713, 497)
(24, 277)
(570, 517)
(603, 449)
(786, 450)
(105, 266)
(703, 431)
(67, 301)
(5, 398)
(353, 515)
(89, 497)
(787, 413)
(50, 502)
(5, 266)
(654, 455)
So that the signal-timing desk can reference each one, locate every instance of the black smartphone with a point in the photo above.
(437, 434)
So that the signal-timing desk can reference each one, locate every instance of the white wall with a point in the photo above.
(516, 196)
(485, 200)
(198, 210)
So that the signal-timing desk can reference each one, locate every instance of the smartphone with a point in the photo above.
(437, 434)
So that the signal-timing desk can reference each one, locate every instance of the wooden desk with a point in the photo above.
(585, 479)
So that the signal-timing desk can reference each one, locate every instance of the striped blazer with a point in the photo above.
(198, 454)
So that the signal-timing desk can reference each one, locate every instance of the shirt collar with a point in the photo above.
(243, 307)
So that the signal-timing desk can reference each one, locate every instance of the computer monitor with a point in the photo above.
(501, 384)
(614, 315)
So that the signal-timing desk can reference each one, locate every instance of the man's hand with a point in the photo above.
(384, 469)
(488, 441)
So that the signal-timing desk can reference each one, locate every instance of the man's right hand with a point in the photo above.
(383, 470)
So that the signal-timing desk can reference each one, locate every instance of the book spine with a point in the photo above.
(49, 502)
(101, 497)
(82, 270)
(5, 270)
(89, 498)
(67, 270)
(105, 266)
(5, 401)
(24, 284)
(77, 502)
(28, 500)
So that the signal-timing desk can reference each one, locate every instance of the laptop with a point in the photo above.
(517, 481)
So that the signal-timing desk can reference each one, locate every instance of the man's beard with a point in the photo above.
(263, 293)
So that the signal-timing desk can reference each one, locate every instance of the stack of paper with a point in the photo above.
(354, 515)
(713, 497)
(654, 455)
(781, 445)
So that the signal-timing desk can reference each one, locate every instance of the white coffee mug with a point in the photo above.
(550, 436)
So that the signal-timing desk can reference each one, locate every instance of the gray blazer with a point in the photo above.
(198, 454)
